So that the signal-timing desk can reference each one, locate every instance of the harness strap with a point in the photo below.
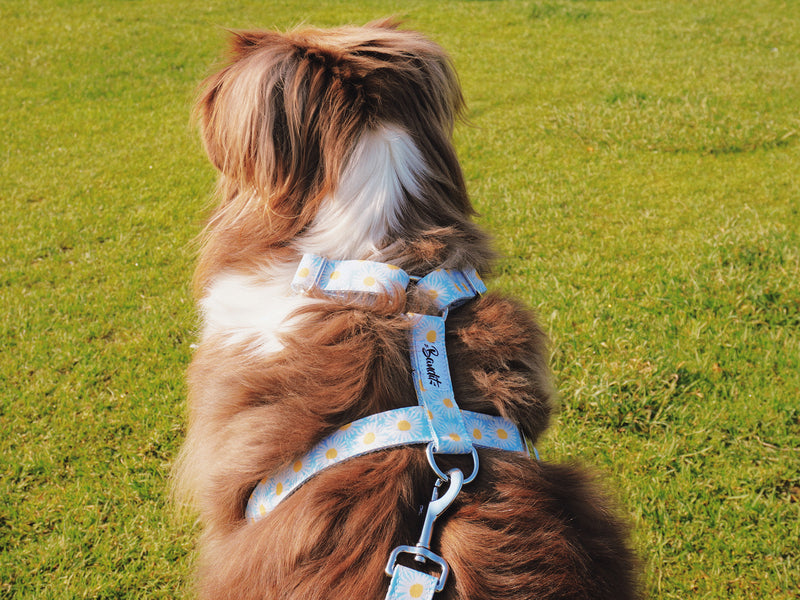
(450, 289)
(410, 584)
(399, 427)
(434, 386)
(337, 277)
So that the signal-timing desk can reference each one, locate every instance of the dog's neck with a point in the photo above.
(358, 218)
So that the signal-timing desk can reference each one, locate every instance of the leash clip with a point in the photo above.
(422, 551)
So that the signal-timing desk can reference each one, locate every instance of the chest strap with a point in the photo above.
(399, 427)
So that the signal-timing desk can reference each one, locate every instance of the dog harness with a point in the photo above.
(437, 421)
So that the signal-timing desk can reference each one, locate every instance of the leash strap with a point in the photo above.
(399, 427)
(410, 584)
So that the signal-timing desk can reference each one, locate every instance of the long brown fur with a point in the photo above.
(279, 122)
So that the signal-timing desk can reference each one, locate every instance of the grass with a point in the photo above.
(636, 161)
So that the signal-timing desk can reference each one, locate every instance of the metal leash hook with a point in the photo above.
(437, 505)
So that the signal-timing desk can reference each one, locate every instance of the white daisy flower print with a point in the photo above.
(408, 584)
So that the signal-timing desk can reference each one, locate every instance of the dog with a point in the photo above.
(338, 143)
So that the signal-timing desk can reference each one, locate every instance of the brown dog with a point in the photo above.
(338, 143)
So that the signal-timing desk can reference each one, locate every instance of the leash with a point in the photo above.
(436, 421)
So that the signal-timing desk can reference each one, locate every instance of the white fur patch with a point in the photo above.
(251, 310)
(357, 217)
(351, 224)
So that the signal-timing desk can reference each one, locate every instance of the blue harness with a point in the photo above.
(436, 421)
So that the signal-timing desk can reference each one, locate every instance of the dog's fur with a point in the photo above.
(338, 142)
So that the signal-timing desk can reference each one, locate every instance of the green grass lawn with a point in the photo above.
(636, 161)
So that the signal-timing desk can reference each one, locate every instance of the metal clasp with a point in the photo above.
(437, 505)
(429, 452)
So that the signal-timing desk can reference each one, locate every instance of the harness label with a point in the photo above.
(429, 352)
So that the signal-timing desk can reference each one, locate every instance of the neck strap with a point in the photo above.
(446, 287)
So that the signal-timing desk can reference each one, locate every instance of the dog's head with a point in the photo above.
(286, 118)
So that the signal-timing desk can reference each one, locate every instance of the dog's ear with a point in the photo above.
(242, 42)
(283, 116)
(386, 23)
(250, 122)
(232, 111)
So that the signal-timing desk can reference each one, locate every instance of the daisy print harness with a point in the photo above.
(436, 421)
